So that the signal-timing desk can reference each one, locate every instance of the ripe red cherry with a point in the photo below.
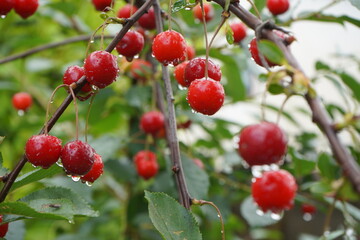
(3, 228)
(152, 122)
(179, 73)
(208, 10)
(140, 69)
(126, 11)
(73, 74)
(308, 208)
(6, 6)
(26, 8)
(22, 101)
(263, 143)
(277, 7)
(146, 164)
(239, 31)
(169, 47)
(96, 170)
(77, 158)
(101, 68)
(147, 20)
(274, 191)
(190, 52)
(195, 69)
(206, 96)
(43, 150)
(101, 5)
(130, 45)
(255, 54)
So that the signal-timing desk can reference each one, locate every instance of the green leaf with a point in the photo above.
(356, 3)
(1, 139)
(173, 221)
(271, 51)
(351, 82)
(302, 166)
(327, 166)
(106, 146)
(276, 89)
(229, 34)
(68, 8)
(335, 19)
(178, 5)
(319, 65)
(320, 188)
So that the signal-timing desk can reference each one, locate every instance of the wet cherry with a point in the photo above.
(126, 11)
(26, 8)
(73, 74)
(195, 69)
(22, 101)
(239, 31)
(96, 171)
(277, 7)
(179, 73)
(130, 45)
(208, 10)
(3, 228)
(6, 6)
(147, 20)
(146, 164)
(101, 5)
(152, 122)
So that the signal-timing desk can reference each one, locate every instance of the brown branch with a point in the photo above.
(320, 116)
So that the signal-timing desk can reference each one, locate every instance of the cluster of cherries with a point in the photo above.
(25, 8)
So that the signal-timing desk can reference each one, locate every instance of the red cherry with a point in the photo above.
(22, 101)
(3, 228)
(190, 52)
(26, 8)
(101, 5)
(263, 143)
(277, 7)
(195, 69)
(179, 73)
(130, 45)
(6, 6)
(140, 69)
(146, 164)
(199, 163)
(239, 31)
(101, 68)
(152, 122)
(126, 11)
(77, 158)
(147, 20)
(169, 47)
(308, 208)
(206, 96)
(43, 150)
(96, 171)
(208, 10)
(255, 54)
(73, 74)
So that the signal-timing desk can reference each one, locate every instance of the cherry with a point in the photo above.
(102, 5)
(190, 52)
(239, 31)
(277, 7)
(179, 73)
(101, 68)
(308, 208)
(43, 150)
(3, 228)
(169, 47)
(146, 164)
(22, 101)
(96, 171)
(130, 45)
(147, 20)
(126, 11)
(255, 54)
(6, 6)
(199, 163)
(77, 158)
(73, 74)
(195, 69)
(152, 122)
(140, 69)
(263, 143)
(208, 10)
(206, 96)
(26, 8)
(274, 191)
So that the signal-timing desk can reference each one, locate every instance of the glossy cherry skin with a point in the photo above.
(77, 158)
(262, 144)
(190, 52)
(274, 191)
(43, 150)
(22, 101)
(6, 6)
(152, 122)
(179, 73)
(96, 171)
(73, 74)
(147, 20)
(3, 228)
(26, 8)
(208, 10)
(126, 11)
(169, 47)
(140, 69)
(131, 44)
(277, 7)
(146, 164)
(101, 5)
(101, 68)
(206, 96)
(195, 69)
(255, 54)
(239, 31)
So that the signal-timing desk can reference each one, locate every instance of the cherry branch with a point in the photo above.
(320, 116)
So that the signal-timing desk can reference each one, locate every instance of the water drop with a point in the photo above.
(193, 111)
(218, 215)
(3, 16)
(181, 87)
(326, 233)
(33, 165)
(71, 221)
(350, 232)
(256, 171)
(222, 232)
(187, 8)
(75, 178)
(59, 163)
(95, 88)
(92, 41)
(260, 212)
(274, 167)
(89, 184)
(307, 217)
(277, 215)
(21, 113)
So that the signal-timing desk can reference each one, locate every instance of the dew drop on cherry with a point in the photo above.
(75, 178)
(89, 184)
(260, 212)
(3, 16)
(307, 217)
(277, 215)
(21, 113)
(59, 163)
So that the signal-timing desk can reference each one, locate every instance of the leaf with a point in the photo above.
(352, 84)
(356, 3)
(320, 188)
(173, 221)
(329, 18)
(68, 8)
(106, 146)
(1, 139)
(178, 5)
(302, 165)
(327, 166)
(229, 34)
(271, 51)
(248, 210)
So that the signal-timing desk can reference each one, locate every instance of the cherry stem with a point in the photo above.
(170, 14)
(255, 8)
(281, 109)
(206, 39)
(87, 117)
(76, 110)
(223, 20)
